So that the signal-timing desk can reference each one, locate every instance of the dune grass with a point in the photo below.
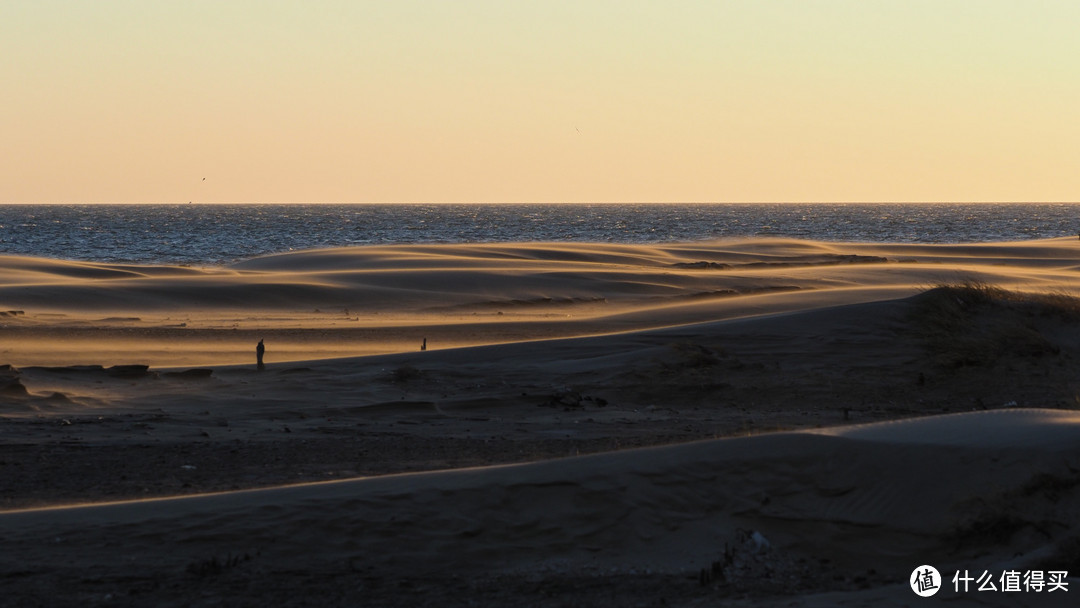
(976, 324)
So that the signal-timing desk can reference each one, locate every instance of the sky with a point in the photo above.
(539, 101)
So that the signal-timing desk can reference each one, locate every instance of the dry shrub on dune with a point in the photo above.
(977, 324)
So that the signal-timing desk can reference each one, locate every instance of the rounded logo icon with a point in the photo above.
(925, 581)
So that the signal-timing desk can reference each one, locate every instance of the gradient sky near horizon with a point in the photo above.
(539, 101)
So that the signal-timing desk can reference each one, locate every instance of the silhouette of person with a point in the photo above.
(423, 345)
(259, 350)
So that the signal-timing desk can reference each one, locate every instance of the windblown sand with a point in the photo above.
(748, 422)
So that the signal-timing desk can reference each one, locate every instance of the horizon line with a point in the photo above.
(826, 202)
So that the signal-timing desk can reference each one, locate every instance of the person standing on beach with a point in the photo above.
(259, 350)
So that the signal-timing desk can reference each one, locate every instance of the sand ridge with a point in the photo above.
(382, 299)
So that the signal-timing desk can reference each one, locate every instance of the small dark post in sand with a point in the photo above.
(423, 345)
(259, 350)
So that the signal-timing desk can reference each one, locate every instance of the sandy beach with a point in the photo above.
(748, 422)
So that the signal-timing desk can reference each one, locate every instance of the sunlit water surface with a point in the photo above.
(205, 235)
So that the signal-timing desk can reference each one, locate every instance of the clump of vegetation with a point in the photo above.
(989, 527)
(1039, 504)
(405, 373)
(1053, 487)
(692, 355)
(975, 324)
(1065, 556)
(214, 566)
(952, 298)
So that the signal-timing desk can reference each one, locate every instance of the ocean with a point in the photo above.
(210, 235)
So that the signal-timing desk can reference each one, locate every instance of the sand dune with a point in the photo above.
(666, 511)
(804, 422)
(371, 279)
(547, 290)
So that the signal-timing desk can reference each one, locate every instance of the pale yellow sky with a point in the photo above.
(540, 101)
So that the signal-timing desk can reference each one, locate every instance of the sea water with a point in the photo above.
(207, 235)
